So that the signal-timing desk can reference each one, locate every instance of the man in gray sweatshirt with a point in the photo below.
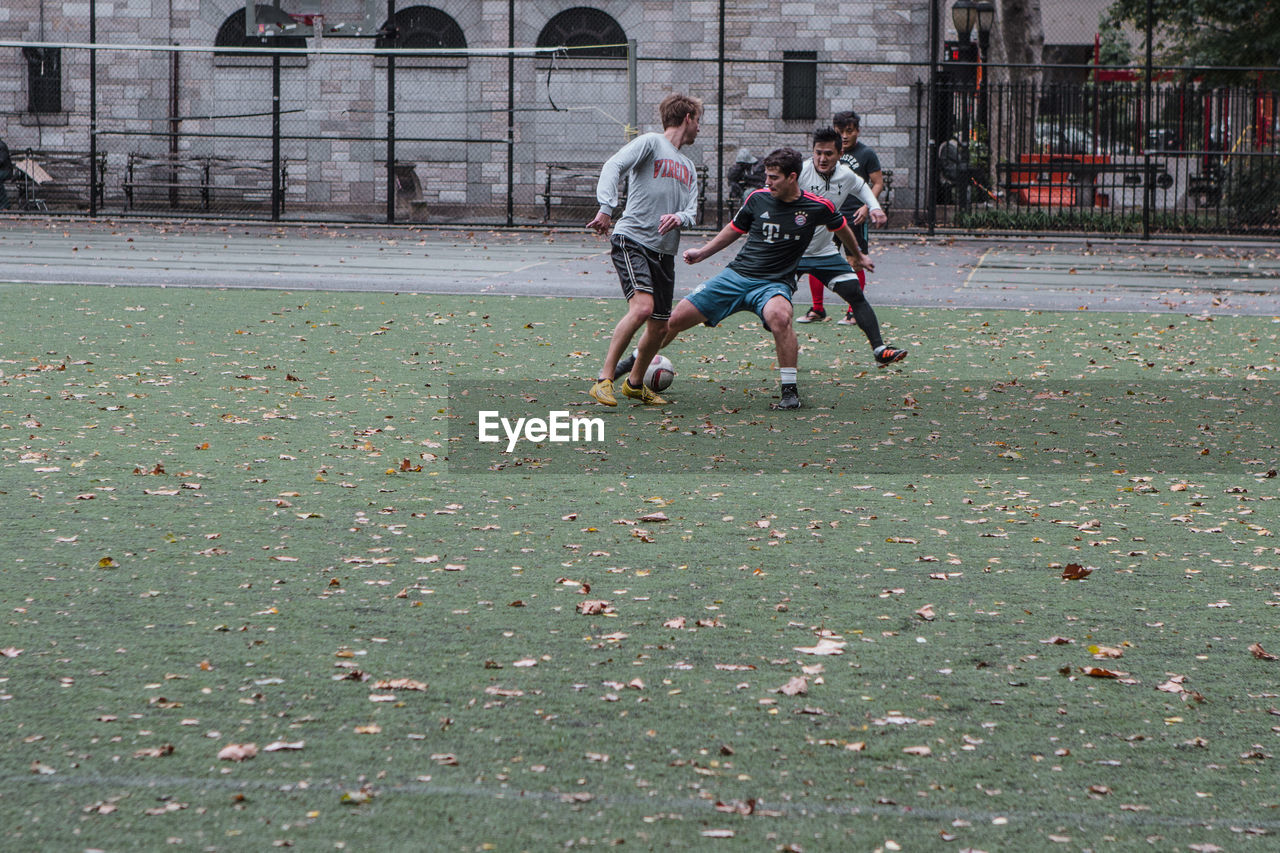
(662, 198)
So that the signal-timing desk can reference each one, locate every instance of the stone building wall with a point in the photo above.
(451, 114)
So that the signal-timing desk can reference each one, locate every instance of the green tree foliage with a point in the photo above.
(1114, 48)
(1238, 33)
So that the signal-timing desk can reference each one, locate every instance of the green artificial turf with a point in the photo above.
(261, 517)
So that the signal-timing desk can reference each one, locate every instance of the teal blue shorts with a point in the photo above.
(828, 269)
(728, 293)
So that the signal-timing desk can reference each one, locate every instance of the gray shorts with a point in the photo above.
(643, 270)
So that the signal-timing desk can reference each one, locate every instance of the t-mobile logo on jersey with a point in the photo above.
(771, 230)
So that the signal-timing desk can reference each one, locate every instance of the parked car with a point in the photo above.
(1163, 139)
(1054, 136)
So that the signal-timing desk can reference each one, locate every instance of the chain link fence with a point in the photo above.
(194, 118)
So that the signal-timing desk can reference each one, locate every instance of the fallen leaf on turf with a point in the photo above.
(594, 607)
(282, 745)
(371, 729)
(926, 613)
(100, 808)
(506, 692)
(797, 686)
(445, 759)
(676, 623)
(154, 751)
(1075, 572)
(11, 652)
(1104, 652)
(1173, 685)
(742, 807)
(1099, 672)
(655, 516)
(1057, 641)
(823, 647)
(1261, 653)
(400, 684)
(917, 750)
(717, 833)
(237, 752)
(167, 808)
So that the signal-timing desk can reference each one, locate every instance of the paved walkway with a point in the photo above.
(1069, 275)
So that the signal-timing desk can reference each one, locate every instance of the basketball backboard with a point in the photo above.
(304, 18)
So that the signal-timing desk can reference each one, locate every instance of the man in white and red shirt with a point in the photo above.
(825, 175)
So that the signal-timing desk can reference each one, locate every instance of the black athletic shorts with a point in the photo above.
(861, 232)
(641, 269)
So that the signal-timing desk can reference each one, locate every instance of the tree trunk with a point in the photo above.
(1019, 39)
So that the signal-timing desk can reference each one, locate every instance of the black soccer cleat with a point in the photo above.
(624, 367)
(790, 398)
(889, 355)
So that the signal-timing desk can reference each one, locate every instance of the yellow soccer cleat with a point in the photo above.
(644, 394)
(603, 392)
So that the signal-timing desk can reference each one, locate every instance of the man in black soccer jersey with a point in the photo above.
(779, 222)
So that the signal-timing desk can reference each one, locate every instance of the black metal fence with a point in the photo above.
(1113, 156)
(357, 136)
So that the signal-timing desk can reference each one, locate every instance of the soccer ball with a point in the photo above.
(660, 373)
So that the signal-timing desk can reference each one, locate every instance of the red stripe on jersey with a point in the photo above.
(814, 197)
(753, 192)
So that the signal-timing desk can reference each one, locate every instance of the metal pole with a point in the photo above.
(1148, 195)
(175, 125)
(920, 132)
(720, 129)
(93, 109)
(633, 113)
(275, 137)
(511, 111)
(393, 38)
(931, 189)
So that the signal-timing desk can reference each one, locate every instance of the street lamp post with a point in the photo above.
(986, 15)
(963, 96)
(964, 15)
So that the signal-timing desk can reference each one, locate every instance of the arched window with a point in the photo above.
(232, 34)
(424, 27)
(583, 26)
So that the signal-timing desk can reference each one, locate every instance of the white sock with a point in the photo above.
(788, 375)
